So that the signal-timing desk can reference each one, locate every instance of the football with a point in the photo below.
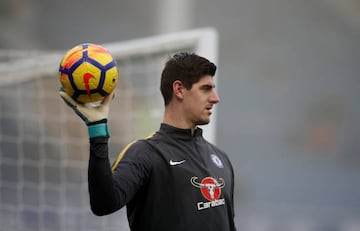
(88, 72)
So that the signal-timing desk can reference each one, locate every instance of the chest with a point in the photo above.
(195, 169)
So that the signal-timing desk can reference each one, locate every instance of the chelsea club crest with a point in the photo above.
(216, 160)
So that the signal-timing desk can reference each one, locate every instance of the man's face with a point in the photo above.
(199, 101)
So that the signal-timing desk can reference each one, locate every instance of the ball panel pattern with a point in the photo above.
(88, 73)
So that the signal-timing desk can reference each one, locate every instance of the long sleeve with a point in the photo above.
(110, 191)
(104, 198)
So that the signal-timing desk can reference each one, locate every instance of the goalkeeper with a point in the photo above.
(174, 180)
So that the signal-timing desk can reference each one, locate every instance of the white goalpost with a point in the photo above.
(44, 146)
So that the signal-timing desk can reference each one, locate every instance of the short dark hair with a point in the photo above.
(188, 68)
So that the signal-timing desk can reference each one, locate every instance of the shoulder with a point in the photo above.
(138, 145)
(137, 150)
(217, 150)
(219, 153)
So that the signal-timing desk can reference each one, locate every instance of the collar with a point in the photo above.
(180, 132)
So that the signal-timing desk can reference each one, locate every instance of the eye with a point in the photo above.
(207, 88)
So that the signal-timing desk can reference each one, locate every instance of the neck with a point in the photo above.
(175, 118)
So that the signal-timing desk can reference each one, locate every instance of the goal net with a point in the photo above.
(44, 146)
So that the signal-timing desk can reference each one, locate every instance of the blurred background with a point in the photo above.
(289, 85)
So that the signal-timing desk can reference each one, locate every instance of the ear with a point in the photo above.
(178, 89)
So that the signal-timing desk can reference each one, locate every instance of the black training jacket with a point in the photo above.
(170, 181)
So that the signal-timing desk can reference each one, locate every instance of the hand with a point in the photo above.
(87, 113)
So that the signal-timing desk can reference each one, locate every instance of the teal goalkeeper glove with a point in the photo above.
(94, 117)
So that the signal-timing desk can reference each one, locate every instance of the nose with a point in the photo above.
(214, 99)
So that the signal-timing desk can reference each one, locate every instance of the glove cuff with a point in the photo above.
(98, 130)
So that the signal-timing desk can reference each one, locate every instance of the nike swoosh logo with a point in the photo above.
(172, 163)
(86, 78)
